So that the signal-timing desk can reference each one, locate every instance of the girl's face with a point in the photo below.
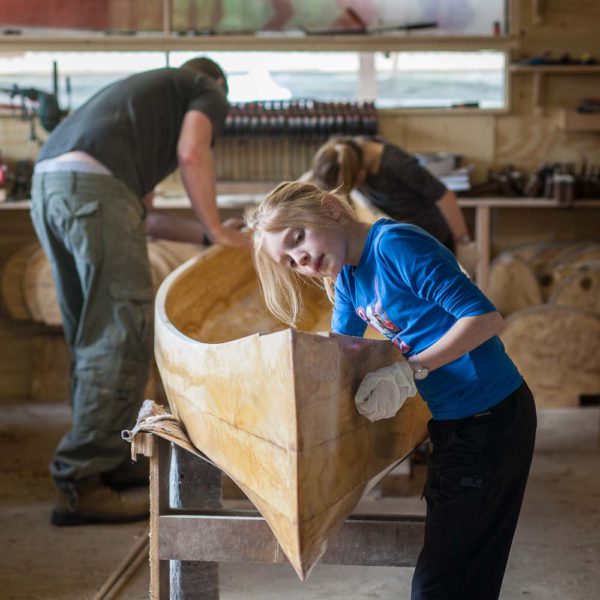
(309, 250)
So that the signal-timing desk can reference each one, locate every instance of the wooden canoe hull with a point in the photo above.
(275, 408)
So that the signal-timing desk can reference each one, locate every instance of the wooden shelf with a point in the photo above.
(556, 69)
(503, 202)
(540, 71)
(270, 42)
(483, 222)
(571, 120)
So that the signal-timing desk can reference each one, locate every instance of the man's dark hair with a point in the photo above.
(207, 67)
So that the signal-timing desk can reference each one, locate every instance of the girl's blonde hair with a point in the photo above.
(290, 204)
(337, 163)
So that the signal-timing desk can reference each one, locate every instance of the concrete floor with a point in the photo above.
(555, 555)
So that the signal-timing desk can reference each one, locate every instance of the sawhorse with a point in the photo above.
(190, 533)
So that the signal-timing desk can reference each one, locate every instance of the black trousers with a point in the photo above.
(476, 479)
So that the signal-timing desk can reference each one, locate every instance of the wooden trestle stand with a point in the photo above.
(190, 530)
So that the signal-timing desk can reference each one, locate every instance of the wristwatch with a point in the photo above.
(419, 370)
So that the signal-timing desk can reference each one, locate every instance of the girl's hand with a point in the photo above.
(382, 393)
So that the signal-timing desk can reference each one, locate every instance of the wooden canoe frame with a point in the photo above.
(275, 411)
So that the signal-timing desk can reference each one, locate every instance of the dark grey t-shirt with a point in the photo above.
(132, 126)
(407, 192)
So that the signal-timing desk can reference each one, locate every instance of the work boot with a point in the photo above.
(92, 502)
(129, 474)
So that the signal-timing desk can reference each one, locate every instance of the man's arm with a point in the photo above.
(195, 160)
(171, 227)
(465, 335)
(466, 250)
(453, 216)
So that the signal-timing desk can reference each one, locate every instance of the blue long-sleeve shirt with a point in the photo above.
(410, 288)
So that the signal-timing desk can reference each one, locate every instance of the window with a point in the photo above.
(440, 79)
(392, 80)
(326, 76)
(87, 72)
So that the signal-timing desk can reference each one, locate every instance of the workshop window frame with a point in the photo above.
(367, 77)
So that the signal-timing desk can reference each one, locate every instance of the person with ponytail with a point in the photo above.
(399, 280)
(395, 182)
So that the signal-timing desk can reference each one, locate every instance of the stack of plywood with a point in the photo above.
(28, 294)
(550, 294)
(27, 287)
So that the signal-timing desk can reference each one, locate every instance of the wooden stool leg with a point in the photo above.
(194, 484)
(159, 504)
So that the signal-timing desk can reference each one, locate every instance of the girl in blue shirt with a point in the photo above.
(398, 279)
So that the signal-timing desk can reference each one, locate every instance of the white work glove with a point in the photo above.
(468, 256)
(382, 393)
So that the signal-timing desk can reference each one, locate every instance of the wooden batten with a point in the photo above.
(273, 407)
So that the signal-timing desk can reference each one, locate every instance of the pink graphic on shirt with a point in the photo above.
(376, 317)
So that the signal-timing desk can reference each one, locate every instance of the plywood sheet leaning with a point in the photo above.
(13, 293)
(580, 289)
(272, 407)
(513, 285)
(527, 275)
(28, 290)
(571, 262)
(557, 349)
(543, 260)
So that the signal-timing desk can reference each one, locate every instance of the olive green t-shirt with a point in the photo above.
(132, 126)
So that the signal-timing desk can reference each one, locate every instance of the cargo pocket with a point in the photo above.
(462, 470)
(133, 316)
(103, 400)
(84, 236)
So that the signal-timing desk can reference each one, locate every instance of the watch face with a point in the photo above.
(421, 373)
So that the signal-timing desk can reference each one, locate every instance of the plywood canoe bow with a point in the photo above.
(272, 407)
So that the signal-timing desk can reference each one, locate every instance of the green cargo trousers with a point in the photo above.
(91, 226)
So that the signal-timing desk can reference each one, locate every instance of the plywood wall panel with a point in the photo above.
(514, 227)
(566, 26)
(15, 359)
(15, 337)
(393, 128)
(522, 140)
(521, 95)
(527, 141)
(471, 136)
(14, 137)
